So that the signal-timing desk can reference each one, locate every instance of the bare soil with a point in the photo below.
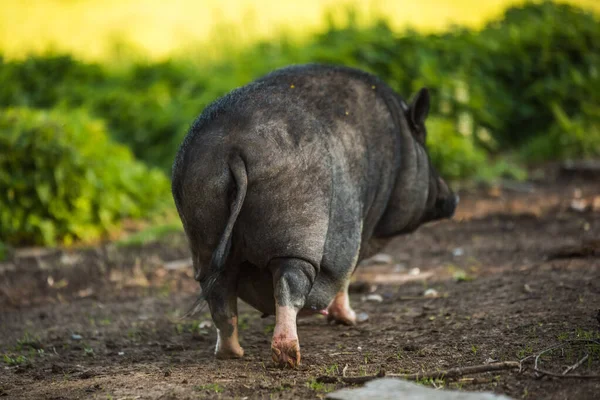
(515, 272)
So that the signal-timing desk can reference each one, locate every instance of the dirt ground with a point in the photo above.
(514, 273)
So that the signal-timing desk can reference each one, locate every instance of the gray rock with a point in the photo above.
(381, 258)
(394, 388)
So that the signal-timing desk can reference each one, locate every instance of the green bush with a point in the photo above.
(537, 55)
(47, 80)
(527, 83)
(569, 138)
(453, 155)
(62, 178)
(505, 80)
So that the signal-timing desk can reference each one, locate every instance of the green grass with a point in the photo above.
(88, 351)
(474, 349)
(319, 386)
(12, 360)
(332, 369)
(244, 323)
(28, 341)
(583, 334)
(436, 383)
(524, 352)
(211, 387)
(269, 329)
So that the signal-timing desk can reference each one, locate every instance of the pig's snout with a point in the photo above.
(447, 206)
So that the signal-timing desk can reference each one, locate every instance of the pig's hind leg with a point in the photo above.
(292, 281)
(222, 303)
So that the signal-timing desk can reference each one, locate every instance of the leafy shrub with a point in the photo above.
(453, 155)
(47, 80)
(62, 178)
(569, 138)
(504, 79)
(537, 55)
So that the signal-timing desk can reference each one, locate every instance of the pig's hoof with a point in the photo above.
(286, 353)
(229, 353)
(342, 316)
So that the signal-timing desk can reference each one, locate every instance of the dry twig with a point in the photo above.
(541, 372)
(576, 365)
(446, 374)
(454, 373)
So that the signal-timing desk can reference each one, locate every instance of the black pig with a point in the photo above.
(285, 184)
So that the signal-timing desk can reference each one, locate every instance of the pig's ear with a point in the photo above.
(419, 108)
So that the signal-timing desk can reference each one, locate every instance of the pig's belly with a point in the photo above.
(255, 287)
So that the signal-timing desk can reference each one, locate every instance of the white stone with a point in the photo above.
(394, 388)
(374, 297)
(381, 258)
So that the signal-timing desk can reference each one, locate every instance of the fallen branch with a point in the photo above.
(472, 381)
(574, 376)
(445, 374)
(542, 372)
(454, 373)
(458, 372)
(576, 365)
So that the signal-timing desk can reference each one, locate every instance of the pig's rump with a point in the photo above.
(319, 174)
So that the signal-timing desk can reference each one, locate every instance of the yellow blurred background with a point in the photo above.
(90, 28)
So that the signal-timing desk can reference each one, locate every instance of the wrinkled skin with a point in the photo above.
(285, 184)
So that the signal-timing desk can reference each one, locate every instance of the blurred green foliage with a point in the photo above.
(62, 179)
(527, 83)
(458, 157)
(3, 251)
(500, 86)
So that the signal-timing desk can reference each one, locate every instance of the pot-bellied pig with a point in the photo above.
(285, 184)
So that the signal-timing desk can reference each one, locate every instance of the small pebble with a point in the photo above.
(381, 258)
(374, 297)
(121, 353)
(76, 337)
(431, 293)
(205, 324)
(414, 271)
(458, 252)
(362, 317)
(579, 205)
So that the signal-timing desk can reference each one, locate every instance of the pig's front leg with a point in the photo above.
(292, 281)
(222, 303)
(339, 310)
